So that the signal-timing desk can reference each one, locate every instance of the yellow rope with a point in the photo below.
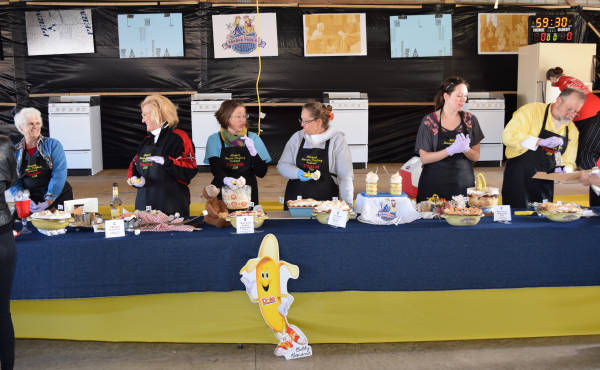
(259, 65)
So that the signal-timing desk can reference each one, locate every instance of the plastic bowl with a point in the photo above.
(258, 220)
(238, 198)
(562, 216)
(323, 217)
(481, 201)
(47, 224)
(460, 220)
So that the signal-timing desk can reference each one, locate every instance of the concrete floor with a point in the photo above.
(581, 352)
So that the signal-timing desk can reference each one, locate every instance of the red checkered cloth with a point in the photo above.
(159, 222)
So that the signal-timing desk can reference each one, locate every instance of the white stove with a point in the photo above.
(489, 110)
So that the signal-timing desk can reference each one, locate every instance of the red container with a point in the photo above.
(23, 209)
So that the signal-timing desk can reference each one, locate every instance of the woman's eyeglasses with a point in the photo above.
(245, 116)
(306, 122)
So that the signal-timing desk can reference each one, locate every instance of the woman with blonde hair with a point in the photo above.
(165, 162)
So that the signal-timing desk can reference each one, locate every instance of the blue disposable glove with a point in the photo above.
(551, 142)
(228, 181)
(560, 170)
(458, 146)
(301, 176)
(250, 145)
(156, 159)
(38, 207)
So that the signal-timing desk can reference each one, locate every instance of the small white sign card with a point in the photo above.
(298, 351)
(244, 224)
(114, 228)
(502, 214)
(338, 218)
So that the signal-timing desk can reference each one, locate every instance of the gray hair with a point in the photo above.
(24, 114)
(569, 91)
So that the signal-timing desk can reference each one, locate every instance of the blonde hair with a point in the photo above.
(161, 109)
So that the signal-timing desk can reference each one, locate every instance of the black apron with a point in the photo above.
(450, 176)
(238, 162)
(311, 160)
(37, 175)
(518, 187)
(161, 191)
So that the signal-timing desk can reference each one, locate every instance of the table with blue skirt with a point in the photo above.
(425, 280)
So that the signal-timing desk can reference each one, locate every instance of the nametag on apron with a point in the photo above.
(558, 158)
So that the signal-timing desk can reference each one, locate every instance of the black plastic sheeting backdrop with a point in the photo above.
(287, 77)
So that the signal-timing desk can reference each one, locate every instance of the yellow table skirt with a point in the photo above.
(329, 317)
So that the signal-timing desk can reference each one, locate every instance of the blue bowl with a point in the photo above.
(300, 211)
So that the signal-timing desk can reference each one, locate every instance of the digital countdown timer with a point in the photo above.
(551, 29)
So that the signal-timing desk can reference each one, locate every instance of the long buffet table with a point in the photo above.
(420, 281)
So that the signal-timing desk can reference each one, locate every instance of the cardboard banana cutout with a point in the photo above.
(265, 278)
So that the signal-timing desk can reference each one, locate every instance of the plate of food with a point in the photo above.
(462, 216)
(50, 220)
(259, 217)
(322, 211)
(483, 196)
(560, 212)
(302, 207)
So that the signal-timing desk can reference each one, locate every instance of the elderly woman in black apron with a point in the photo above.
(41, 164)
(165, 162)
(448, 143)
(8, 176)
(539, 138)
(234, 151)
(321, 147)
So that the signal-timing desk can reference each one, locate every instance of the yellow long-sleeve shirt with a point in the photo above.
(525, 127)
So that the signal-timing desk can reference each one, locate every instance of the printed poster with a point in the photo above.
(59, 32)
(427, 35)
(235, 35)
(335, 34)
(152, 35)
(502, 33)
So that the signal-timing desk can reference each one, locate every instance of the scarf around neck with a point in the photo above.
(232, 139)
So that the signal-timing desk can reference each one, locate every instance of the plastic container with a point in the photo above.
(237, 198)
(300, 211)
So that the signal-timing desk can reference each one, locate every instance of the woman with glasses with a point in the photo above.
(165, 162)
(321, 147)
(448, 143)
(234, 151)
(587, 122)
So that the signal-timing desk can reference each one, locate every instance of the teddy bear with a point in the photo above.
(217, 211)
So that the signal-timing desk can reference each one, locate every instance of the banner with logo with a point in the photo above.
(235, 35)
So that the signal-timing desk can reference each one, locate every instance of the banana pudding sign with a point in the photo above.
(265, 278)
